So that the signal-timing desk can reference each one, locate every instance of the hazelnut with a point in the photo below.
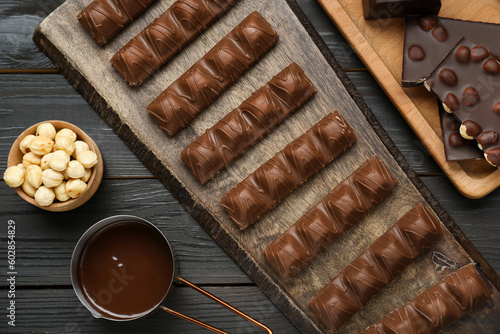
(66, 133)
(81, 146)
(87, 158)
(61, 193)
(65, 144)
(51, 178)
(41, 145)
(28, 188)
(75, 187)
(24, 145)
(21, 166)
(44, 163)
(14, 176)
(59, 160)
(65, 175)
(46, 130)
(34, 176)
(75, 170)
(88, 173)
(44, 196)
(31, 158)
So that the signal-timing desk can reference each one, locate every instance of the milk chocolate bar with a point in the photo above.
(456, 148)
(467, 83)
(383, 9)
(296, 163)
(245, 125)
(350, 201)
(104, 19)
(428, 39)
(438, 307)
(215, 72)
(163, 38)
(376, 267)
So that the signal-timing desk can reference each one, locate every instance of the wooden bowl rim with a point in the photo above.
(92, 184)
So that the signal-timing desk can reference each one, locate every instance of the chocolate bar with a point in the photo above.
(438, 307)
(428, 39)
(245, 125)
(215, 72)
(296, 163)
(350, 201)
(376, 267)
(456, 148)
(163, 38)
(104, 19)
(384, 9)
(467, 82)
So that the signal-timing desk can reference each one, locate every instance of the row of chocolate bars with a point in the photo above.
(296, 163)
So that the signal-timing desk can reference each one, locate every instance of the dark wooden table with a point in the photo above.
(32, 90)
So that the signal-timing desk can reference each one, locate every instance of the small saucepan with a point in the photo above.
(123, 267)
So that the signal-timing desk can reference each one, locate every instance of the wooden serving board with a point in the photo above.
(87, 68)
(379, 44)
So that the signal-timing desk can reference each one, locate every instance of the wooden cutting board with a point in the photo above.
(87, 68)
(379, 44)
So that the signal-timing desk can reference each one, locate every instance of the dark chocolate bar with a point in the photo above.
(376, 267)
(163, 38)
(245, 125)
(104, 19)
(296, 163)
(438, 307)
(428, 39)
(215, 72)
(350, 201)
(467, 82)
(383, 9)
(456, 148)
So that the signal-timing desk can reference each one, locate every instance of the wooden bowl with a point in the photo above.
(16, 157)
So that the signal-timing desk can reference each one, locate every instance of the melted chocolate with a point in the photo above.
(438, 307)
(470, 90)
(384, 9)
(376, 267)
(247, 124)
(350, 201)
(296, 163)
(125, 270)
(165, 37)
(215, 72)
(104, 19)
(434, 37)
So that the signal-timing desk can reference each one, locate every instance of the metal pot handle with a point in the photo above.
(221, 302)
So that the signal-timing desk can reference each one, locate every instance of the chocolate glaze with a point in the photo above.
(470, 91)
(104, 19)
(296, 163)
(247, 124)
(383, 9)
(350, 201)
(436, 36)
(376, 267)
(125, 270)
(456, 148)
(165, 37)
(438, 307)
(216, 71)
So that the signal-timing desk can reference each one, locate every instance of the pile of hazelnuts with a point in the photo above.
(55, 165)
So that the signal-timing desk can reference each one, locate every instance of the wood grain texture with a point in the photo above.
(111, 98)
(380, 44)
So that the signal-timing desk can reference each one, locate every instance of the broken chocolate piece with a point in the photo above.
(383, 9)
(376, 267)
(288, 169)
(350, 201)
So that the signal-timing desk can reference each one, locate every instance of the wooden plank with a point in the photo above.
(88, 70)
(380, 46)
(45, 242)
(59, 311)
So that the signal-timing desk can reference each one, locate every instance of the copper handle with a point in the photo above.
(218, 300)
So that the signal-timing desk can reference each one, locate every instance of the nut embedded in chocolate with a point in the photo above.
(416, 53)
(470, 96)
(451, 102)
(456, 140)
(451, 122)
(479, 53)
(448, 76)
(497, 108)
(463, 54)
(472, 129)
(493, 156)
(427, 22)
(487, 139)
(440, 33)
(491, 66)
